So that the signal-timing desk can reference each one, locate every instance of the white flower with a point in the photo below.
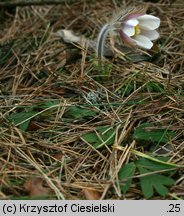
(140, 29)
(134, 27)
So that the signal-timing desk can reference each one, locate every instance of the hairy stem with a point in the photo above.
(101, 41)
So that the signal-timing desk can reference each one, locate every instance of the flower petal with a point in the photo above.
(126, 39)
(143, 41)
(148, 22)
(133, 16)
(128, 30)
(132, 22)
(152, 34)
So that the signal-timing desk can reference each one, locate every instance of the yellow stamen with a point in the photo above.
(137, 30)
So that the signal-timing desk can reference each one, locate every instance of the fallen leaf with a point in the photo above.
(33, 126)
(58, 156)
(35, 187)
(91, 194)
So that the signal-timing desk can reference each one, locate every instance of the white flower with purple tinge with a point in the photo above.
(134, 27)
(140, 29)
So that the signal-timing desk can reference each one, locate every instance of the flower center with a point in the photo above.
(137, 30)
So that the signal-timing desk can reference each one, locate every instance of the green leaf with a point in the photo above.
(151, 178)
(155, 166)
(155, 87)
(79, 113)
(125, 174)
(146, 132)
(103, 135)
(154, 181)
(17, 118)
(91, 138)
(128, 89)
(51, 103)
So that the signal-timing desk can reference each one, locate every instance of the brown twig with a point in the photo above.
(33, 2)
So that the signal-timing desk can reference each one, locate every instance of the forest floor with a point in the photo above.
(72, 130)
